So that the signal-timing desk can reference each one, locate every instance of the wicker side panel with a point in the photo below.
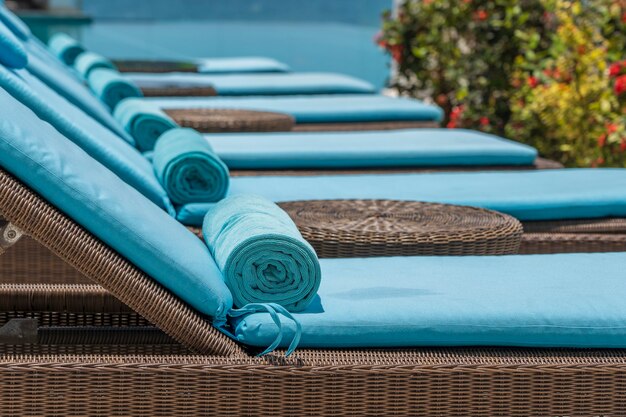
(447, 383)
(533, 243)
(104, 266)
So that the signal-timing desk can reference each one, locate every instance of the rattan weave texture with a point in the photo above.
(365, 228)
(173, 91)
(230, 120)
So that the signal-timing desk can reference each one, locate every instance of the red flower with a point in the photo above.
(624, 18)
(481, 15)
(620, 84)
(451, 125)
(602, 140)
(396, 52)
(484, 121)
(532, 81)
(611, 128)
(441, 99)
(615, 69)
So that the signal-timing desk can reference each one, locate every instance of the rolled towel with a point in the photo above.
(188, 169)
(111, 86)
(262, 255)
(144, 121)
(88, 61)
(65, 47)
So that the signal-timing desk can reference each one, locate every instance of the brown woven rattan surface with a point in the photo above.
(227, 120)
(365, 228)
(41, 380)
(154, 66)
(174, 91)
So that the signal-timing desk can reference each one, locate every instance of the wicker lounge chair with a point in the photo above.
(207, 373)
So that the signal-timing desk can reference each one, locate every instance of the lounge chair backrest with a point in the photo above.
(66, 176)
(100, 143)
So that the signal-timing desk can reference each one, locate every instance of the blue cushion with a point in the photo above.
(95, 139)
(60, 78)
(65, 47)
(12, 52)
(572, 300)
(527, 195)
(239, 65)
(88, 61)
(319, 109)
(112, 210)
(417, 147)
(111, 87)
(258, 84)
(14, 24)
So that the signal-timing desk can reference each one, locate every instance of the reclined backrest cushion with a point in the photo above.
(42, 65)
(14, 24)
(112, 210)
(99, 142)
(12, 52)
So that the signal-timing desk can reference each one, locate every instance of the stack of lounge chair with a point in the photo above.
(206, 299)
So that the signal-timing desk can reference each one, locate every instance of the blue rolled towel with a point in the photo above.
(262, 255)
(65, 48)
(188, 169)
(111, 87)
(88, 61)
(144, 121)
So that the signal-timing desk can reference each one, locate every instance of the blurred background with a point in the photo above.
(320, 35)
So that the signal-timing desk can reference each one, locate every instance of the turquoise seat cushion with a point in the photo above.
(240, 65)
(415, 147)
(66, 176)
(65, 48)
(66, 83)
(566, 300)
(99, 142)
(188, 169)
(88, 61)
(318, 109)
(14, 24)
(12, 52)
(527, 195)
(144, 121)
(111, 87)
(261, 253)
(258, 84)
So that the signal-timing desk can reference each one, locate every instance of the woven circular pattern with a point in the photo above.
(231, 120)
(362, 228)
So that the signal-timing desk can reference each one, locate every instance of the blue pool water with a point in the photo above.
(309, 35)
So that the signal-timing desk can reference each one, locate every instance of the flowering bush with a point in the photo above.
(550, 73)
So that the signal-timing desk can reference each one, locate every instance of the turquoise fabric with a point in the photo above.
(57, 76)
(415, 147)
(65, 48)
(262, 255)
(566, 300)
(88, 61)
(144, 121)
(99, 142)
(12, 52)
(112, 210)
(258, 84)
(240, 65)
(14, 24)
(188, 168)
(527, 195)
(318, 109)
(111, 87)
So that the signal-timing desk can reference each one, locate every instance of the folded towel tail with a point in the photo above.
(262, 255)
(111, 86)
(65, 48)
(89, 61)
(188, 169)
(144, 121)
